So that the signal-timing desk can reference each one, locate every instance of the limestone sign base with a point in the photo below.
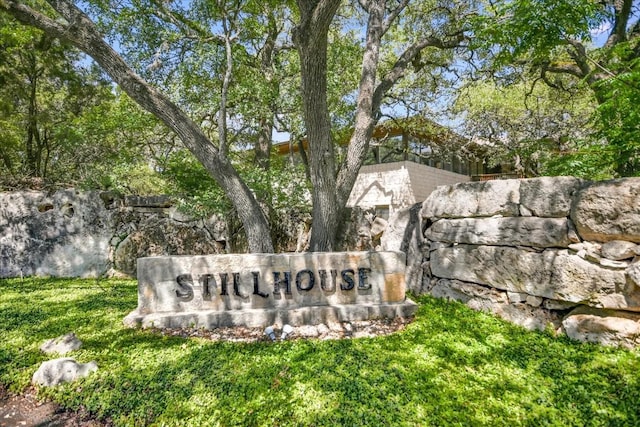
(256, 290)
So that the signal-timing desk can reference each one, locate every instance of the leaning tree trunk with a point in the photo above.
(78, 29)
(311, 39)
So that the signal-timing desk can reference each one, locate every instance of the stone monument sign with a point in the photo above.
(256, 290)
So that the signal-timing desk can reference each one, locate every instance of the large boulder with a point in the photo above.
(404, 233)
(608, 327)
(514, 231)
(474, 199)
(608, 210)
(64, 234)
(553, 274)
(548, 196)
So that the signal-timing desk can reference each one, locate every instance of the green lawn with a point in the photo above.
(452, 366)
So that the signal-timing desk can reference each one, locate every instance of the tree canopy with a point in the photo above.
(221, 77)
(572, 46)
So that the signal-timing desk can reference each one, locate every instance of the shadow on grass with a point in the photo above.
(452, 366)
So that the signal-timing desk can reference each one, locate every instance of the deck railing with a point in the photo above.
(491, 176)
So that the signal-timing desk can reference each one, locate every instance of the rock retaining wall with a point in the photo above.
(71, 233)
(90, 234)
(545, 252)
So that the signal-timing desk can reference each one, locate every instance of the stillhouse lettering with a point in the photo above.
(230, 284)
(257, 290)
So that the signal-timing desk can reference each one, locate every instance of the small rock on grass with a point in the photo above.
(62, 370)
(61, 345)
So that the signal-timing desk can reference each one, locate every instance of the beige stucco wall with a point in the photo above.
(398, 185)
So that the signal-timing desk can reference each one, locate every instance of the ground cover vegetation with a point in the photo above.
(451, 366)
(219, 78)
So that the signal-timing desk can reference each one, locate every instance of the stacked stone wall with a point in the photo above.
(73, 233)
(545, 252)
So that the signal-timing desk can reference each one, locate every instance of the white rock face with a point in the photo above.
(474, 199)
(608, 210)
(547, 196)
(633, 273)
(553, 274)
(606, 327)
(404, 233)
(532, 250)
(619, 250)
(514, 231)
(66, 234)
(63, 370)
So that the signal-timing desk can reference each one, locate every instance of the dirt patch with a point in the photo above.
(26, 410)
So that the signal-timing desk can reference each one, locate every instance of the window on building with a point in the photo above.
(382, 211)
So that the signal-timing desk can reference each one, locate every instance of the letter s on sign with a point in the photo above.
(184, 291)
(348, 280)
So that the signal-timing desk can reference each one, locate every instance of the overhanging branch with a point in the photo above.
(407, 57)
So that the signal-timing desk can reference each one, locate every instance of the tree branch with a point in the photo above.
(399, 68)
(393, 15)
(622, 12)
(81, 32)
(189, 28)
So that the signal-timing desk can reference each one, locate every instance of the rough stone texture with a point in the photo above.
(551, 304)
(329, 315)
(633, 273)
(475, 260)
(62, 345)
(547, 196)
(404, 234)
(465, 292)
(63, 370)
(608, 327)
(474, 199)
(63, 234)
(162, 236)
(262, 289)
(491, 300)
(79, 234)
(553, 274)
(522, 231)
(159, 201)
(619, 250)
(355, 232)
(87, 234)
(586, 247)
(516, 297)
(608, 210)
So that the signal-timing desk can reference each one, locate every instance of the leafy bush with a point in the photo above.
(452, 366)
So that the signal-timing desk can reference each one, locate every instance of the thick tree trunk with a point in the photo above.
(367, 109)
(82, 33)
(311, 38)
